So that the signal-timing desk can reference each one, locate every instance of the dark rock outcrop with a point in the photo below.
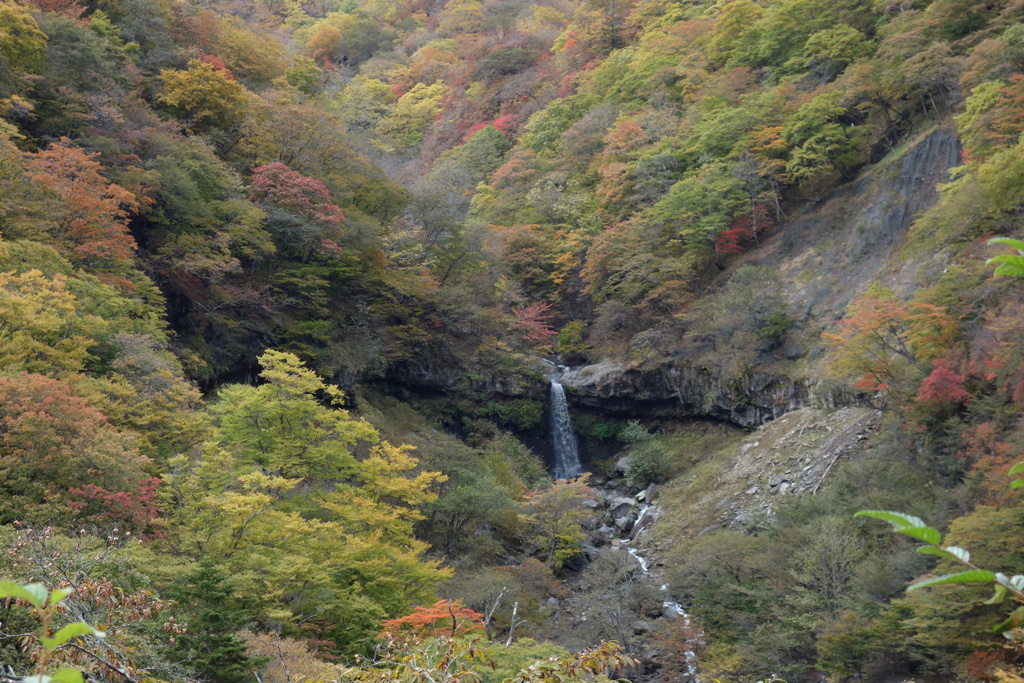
(685, 391)
(430, 374)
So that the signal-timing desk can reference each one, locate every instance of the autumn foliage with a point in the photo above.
(886, 343)
(132, 511)
(531, 321)
(443, 618)
(279, 186)
(943, 385)
(53, 442)
(90, 219)
(988, 454)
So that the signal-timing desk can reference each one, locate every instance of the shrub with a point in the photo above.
(647, 461)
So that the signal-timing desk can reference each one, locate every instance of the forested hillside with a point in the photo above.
(284, 285)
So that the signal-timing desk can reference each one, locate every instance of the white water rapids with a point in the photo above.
(670, 607)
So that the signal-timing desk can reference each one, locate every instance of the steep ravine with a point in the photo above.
(804, 426)
(620, 585)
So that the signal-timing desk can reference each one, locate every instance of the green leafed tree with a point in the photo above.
(204, 96)
(281, 427)
(554, 515)
(287, 499)
(700, 206)
(211, 644)
(22, 43)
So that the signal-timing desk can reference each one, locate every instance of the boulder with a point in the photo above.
(603, 536)
(641, 627)
(577, 563)
(621, 505)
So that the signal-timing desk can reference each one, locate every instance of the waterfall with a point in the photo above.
(567, 455)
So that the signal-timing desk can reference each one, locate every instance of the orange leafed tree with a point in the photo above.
(443, 618)
(531, 321)
(887, 344)
(984, 449)
(51, 442)
(90, 220)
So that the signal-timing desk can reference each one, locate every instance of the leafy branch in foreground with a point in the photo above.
(1009, 264)
(914, 527)
(45, 605)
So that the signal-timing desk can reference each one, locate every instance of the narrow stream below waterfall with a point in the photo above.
(670, 607)
(567, 465)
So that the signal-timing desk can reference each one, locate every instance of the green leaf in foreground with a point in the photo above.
(926, 534)
(970, 576)
(1015, 620)
(33, 593)
(997, 597)
(67, 633)
(899, 520)
(952, 552)
(1010, 242)
(67, 675)
(1009, 264)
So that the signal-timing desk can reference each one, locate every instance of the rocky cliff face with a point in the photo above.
(830, 250)
(684, 391)
(825, 254)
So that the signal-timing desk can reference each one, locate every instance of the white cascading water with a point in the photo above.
(670, 607)
(567, 454)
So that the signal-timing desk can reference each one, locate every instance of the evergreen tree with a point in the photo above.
(211, 642)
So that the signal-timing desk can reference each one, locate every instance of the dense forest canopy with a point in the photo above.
(277, 279)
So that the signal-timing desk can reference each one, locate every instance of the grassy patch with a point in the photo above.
(698, 454)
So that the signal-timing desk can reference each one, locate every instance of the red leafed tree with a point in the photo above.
(133, 511)
(443, 618)
(218, 64)
(990, 459)
(728, 243)
(505, 123)
(279, 186)
(886, 342)
(52, 441)
(284, 188)
(532, 322)
(474, 130)
(943, 386)
(69, 8)
(90, 219)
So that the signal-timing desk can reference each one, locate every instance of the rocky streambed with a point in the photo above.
(615, 582)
